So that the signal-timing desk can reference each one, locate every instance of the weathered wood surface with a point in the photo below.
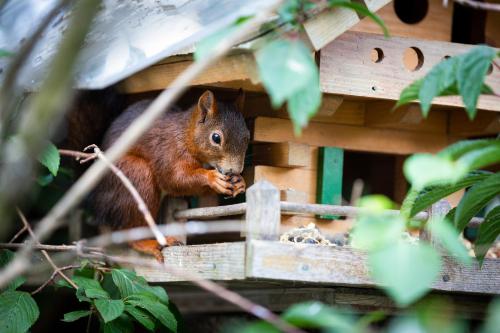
(345, 266)
(283, 154)
(263, 211)
(224, 261)
(346, 67)
(351, 137)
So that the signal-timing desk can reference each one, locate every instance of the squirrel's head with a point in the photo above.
(219, 133)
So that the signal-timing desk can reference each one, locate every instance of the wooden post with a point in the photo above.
(330, 172)
(263, 211)
(437, 210)
(171, 206)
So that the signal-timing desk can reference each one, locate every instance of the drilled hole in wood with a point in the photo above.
(446, 57)
(413, 58)
(376, 55)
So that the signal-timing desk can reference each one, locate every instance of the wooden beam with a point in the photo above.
(409, 117)
(298, 179)
(330, 176)
(346, 67)
(485, 123)
(285, 154)
(350, 137)
(236, 67)
(346, 266)
(292, 195)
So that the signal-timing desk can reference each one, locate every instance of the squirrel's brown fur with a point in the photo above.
(171, 159)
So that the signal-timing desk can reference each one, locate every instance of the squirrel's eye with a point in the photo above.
(216, 138)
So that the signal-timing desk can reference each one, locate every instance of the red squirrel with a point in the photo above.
(185, 153)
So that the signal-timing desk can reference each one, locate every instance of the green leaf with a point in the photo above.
(44, 180)
(159, 310)
(96, 293)
(18, 311)
(439, 79)
(5, 257)
(492, 322)
(405, 271)
(409, 94)
(448, 237)
(87, 283)
(129, 283)
(304, 104)
(460, 148)
(423, 170)
(50, 158)
(122, 324)
(476, 198)
(75, 315)
(375, 231)
(258, 327)
(317, 315)
(141, 316)
(362, 10)
(481, 157)
(488, 233)
(430, 195)
(110, 309)
(285, 68)
(471, 71)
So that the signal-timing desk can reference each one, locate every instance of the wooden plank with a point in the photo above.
(409, 117)
(223, 261)
(292, 195)
(284, 154)
(330, 176)
(347, 267)
(485, 123)
(348, 112)
(436, 24)
(284, 178)
(231, 68)
(328, 25)
(350, 137)
(263, 211)
(346, 68)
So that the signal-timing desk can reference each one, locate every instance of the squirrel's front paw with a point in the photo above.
(239, 184)
(220, 183)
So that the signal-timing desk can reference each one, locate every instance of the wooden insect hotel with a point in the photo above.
(296, 180)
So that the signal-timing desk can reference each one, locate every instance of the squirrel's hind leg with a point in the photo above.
(152, 247)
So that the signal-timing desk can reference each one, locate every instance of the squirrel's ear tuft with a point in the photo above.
(240, 100)
(206, 106)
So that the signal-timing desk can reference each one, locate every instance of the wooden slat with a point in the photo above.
(346, 67)
(409, 117)
(299, 179)
(350, 137)
(231, 68)
(285, 154)
(485, 123)
(224, 261)
(348, 112)
(436, 24)
(347, 267)
(294, 196)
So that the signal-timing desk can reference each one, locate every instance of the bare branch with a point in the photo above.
(19, 233)
(78, 155)
(90, 178)
(52, 277)
(57, 270)
(141, 205)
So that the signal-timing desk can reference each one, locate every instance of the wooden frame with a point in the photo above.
(262, 258)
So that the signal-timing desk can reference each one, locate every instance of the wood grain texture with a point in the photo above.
(262, 218)
(345, 266)
(346, 67)
(485, 123)
(298, 179)
(224, 261)
(284, 154)
(436, 25)
(350, 137)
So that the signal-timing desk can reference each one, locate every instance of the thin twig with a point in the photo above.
(78, 155)
(210, 286)
(52, 277)
(141, 205)
(90, 178)
(479, 5)
(19, 233)
(57, 270)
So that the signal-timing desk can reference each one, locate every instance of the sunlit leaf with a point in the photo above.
(409, 94)
(439, 79)
(475, 199)
(259, 327)
(50, 158)
(488, 233)
(405, 271)
(375, 231)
